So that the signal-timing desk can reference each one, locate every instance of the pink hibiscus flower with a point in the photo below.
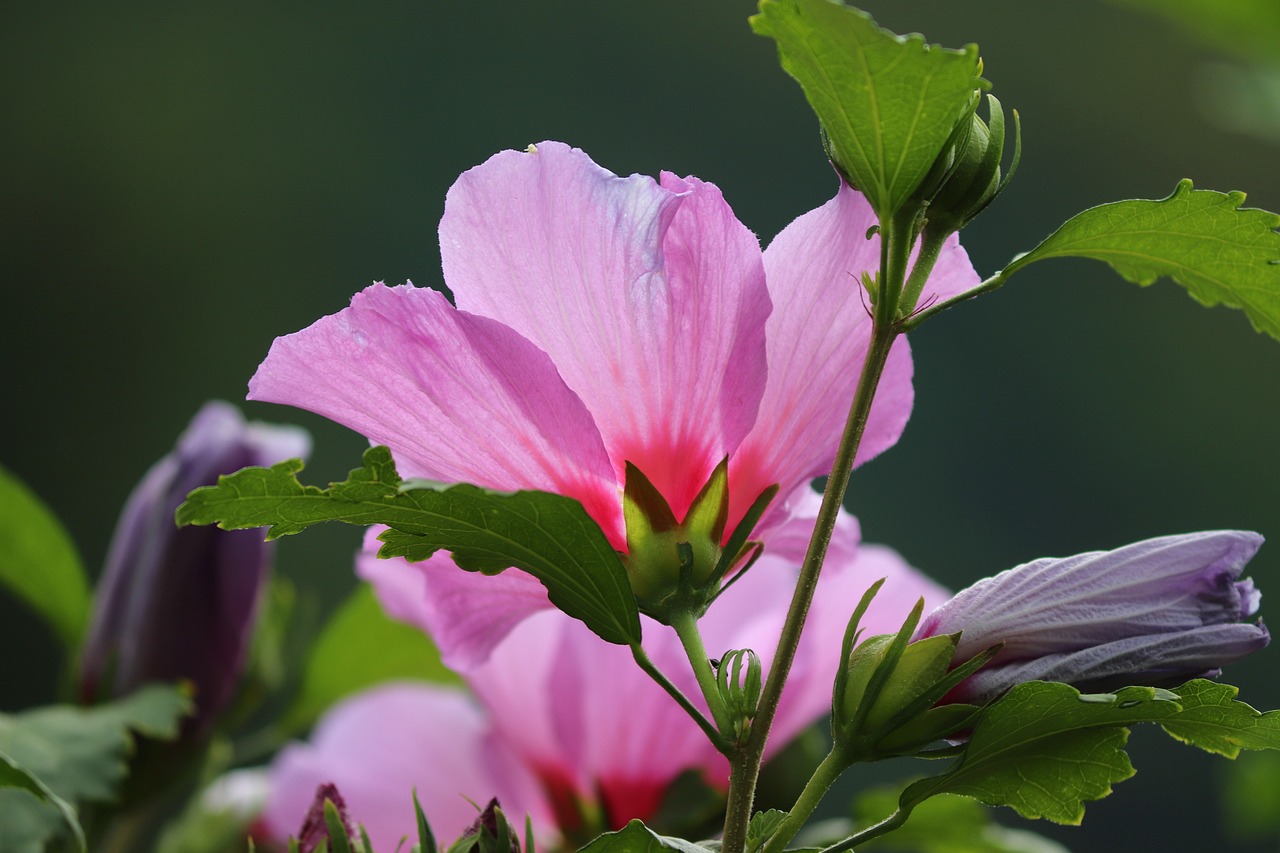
(602, 321)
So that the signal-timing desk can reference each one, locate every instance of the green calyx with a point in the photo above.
(966, 177)
(885, 701)
(678, 565)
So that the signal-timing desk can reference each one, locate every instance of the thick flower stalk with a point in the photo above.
(1157, 612)
(602, 322)
(179, 604)
(566, 727)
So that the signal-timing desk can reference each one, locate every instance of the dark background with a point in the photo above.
(181, 183)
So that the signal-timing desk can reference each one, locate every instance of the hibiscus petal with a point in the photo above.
(818, 337)
(467, 614)
(1163, 585)
(649, 298)
(382, 745)
(1159, 659)
(457, 398)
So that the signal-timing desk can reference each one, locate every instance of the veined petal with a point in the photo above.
(380, 746)
(467, 614)
(818, 335)
(649, 298)
(457, 398)
(584, 715)
(1165, 585)
(1154, 659)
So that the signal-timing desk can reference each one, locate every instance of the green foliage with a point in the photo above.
(1246, 27)
(1203, 240)
(887, 104)
(21, 835)
(549, 536)
(1213, 720)
(945, 824)
(361, 646)
(79, 754)
(1045, 749)
(763, 825)
(1251, 797)
(635, 837)
(39, 562)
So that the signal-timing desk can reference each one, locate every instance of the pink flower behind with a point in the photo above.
(583, 734)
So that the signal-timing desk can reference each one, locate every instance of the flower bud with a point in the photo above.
(886, 699)
(179, 604)
(740, 680)
(1156, 613)
(966, 176)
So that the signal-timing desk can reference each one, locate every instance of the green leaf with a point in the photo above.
(549, 536)
(887, 103)
(1043, 751)
(1044, 748)
(39, 562)
(1203, 240)
(14, 775)
(81, 753)
(78, 754)
(635, 837)
(359, 647)
(1214, 721)
(762, 826)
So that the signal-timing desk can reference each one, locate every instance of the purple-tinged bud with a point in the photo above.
(181, 603)
(315, 829)
(1154, 613)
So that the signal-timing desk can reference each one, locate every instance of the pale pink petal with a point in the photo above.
(457, 398)
(818, 337)
(649, 298)
(466, 613)
(579, 711)
(381, 745)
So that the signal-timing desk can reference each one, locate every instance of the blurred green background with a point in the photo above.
(184, 182)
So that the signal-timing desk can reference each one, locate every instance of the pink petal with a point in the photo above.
(580, 711)
(456, 397)
(381, 745)
(818, 336)
(466, 613)
(649, 298)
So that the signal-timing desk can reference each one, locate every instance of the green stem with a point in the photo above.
(686, 628)
(931, 244)
(986, 287)
(889, 824)
(683, 701)
(745, 765)
(895, 254)
(826, 774)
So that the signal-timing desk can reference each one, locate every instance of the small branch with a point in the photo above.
(656, 674)
(814, 790)
(987, 286)
(686, 628)
(889, 824)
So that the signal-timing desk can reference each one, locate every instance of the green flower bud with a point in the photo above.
(921, 666)
(966, 177)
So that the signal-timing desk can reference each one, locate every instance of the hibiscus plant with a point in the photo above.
(590, 484)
